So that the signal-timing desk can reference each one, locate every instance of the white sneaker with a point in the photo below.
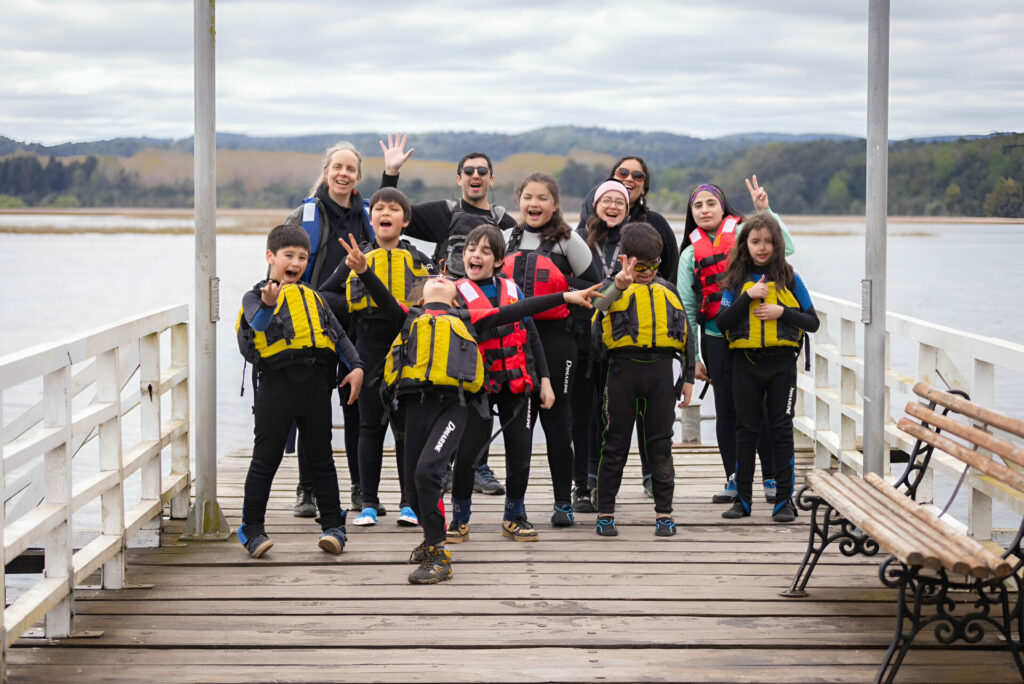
(367, 518)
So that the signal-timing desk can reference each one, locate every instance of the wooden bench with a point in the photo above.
(968, 587)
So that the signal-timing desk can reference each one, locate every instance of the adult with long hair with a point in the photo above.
(712, 224)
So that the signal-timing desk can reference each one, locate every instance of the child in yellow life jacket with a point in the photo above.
(432, 366)
(400, 266)
(641, 329)
(765, 313)
(294, 342)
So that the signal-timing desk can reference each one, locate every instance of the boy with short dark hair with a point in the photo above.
(294, 342)
(640, 328)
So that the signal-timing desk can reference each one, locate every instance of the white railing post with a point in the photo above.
(57, 476)
(3, 556)
(822, 412)
(847, 390)
(108, 389)
(149, 387)
(927, 362)
(979, 504)
(179, 411)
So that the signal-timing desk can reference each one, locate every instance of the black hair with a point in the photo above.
(287, 235)
(485, 232)
(690, 223)
(474, 155)
(556, 229)
(642, 200)
(392, 195)
(641, 241)
(741, 264)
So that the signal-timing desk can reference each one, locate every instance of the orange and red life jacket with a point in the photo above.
(503, 349)
(710, 260)
(536, 273)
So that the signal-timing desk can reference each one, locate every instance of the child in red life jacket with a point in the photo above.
(515, 369)
(641, 329)
(432, 366)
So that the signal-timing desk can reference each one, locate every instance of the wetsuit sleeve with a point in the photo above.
(805, 317)
(336, 281)
(669, 249)
(338, 304)
(610, 291)
(257, 314)
(389, 306)
(513, 312)
(347, 353)
(581, 260)
(540, 359)
(388, 181)
(429, 220)
(689, 368)
(729, 317)
(786, 237)
(684, 284)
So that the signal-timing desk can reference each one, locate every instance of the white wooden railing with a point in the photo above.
(829, 407)
(91, 403)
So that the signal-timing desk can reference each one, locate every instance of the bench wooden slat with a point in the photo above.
(822, 484)
(973, 458)
(970, 409)
(1000, 567)
(968, 432)
(952, 556)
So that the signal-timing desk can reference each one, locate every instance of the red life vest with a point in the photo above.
(537, 274)
(710, 259)
(503, 348)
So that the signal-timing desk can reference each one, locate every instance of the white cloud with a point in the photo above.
(89, 69)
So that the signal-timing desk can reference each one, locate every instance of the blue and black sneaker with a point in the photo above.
(333, 540)
(256, 545)
(740, 509)
(606, 527)
(784, 512)
(728, 494)
(664, 527)
(562, 516)
(770, 490)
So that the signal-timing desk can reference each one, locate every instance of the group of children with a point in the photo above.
(440, 351)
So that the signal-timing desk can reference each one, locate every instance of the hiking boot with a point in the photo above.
(367, 518)
(435, 567)
(305, 504)
(785, 513)
(458, 532)
(738, 510)
(357, 496)
(419, 554)
(582, 501)
(256, 545)
(519, 529)
(606, 527)
(485, 482)
(770, 491)
(333, 540)
(408, 518)
(649, 486)
(727, 495)
(664, 527)
(562, 516)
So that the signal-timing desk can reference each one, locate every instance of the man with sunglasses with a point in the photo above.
(446, 223)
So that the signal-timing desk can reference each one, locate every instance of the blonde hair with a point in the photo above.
(337, 147)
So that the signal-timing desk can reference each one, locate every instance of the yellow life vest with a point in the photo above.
(299, 331)
(646, 317)
(397, 268)
(434, 351)
(753, 333)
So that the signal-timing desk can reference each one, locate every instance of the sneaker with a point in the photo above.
(419, 554)
(367, 517)
(435, 567)
(458, 532)
(408, 518)
(785, 513)
(728, 494)
(582, 501)
(664, 527)
(606, 527)
(333, 540)
(562, 516)
(738, 510)
(649, 486)
(519, 529)
(357, 496)
(485, 482)
(305, 505)
(770, 491)
(256, 545)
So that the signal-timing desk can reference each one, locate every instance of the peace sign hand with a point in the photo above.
(624, 278)
(355, 260)
(758, 194)
(394, 154)
(270, 291)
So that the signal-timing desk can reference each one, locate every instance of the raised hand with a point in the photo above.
(354, 380)
(394, 153)
(355, 260)
(758, 195)
(624, 278)
(270, 291)
(582, 297)
(759, 290)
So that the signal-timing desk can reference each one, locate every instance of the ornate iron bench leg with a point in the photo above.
(819, 531)
(896, 575)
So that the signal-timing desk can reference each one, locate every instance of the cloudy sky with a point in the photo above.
(90, 69)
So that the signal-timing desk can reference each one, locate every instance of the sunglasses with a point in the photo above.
(482, 171)
(623, 172)
(449, 278)
(644, 268)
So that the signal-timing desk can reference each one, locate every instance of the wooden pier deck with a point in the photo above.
(702, 606)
